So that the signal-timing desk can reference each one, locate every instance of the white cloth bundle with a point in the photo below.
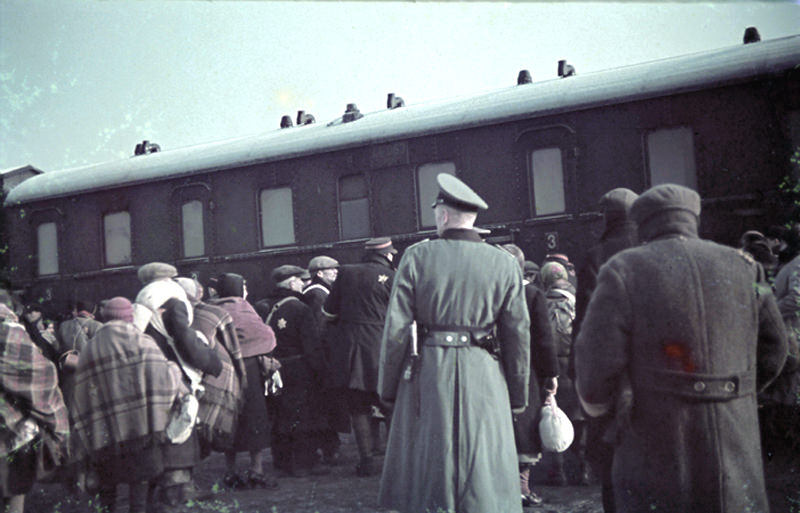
(555, 427)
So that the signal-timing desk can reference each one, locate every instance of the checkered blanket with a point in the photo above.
(28, 386)
(221, 401)
(124, 390)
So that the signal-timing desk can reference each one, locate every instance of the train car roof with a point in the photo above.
(630, 83)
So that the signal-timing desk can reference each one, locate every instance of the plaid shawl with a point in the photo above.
(124, 390)
(219, 405)
(28, 386)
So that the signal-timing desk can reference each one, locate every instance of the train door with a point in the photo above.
(547, 156)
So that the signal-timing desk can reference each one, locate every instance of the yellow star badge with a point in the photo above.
(382, 278)
(281, 323)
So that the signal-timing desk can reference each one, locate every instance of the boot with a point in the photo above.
(529, 498)
(363, 435)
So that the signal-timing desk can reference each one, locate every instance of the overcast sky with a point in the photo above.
(82, 82)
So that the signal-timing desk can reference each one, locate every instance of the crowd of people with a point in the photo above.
(453, 352)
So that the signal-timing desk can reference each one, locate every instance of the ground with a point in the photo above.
(342, 492)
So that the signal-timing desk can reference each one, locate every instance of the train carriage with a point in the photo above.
(724, 122)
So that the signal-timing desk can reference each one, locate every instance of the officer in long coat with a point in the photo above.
(685, 321)
(451, 444)
(357, 309)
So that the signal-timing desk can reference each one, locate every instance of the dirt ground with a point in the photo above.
(342, 491)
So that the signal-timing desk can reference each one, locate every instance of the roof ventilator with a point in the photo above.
(751, 35)
(393, 102)
(352, 113)
(145, 147)
(565, 70)
(304, 119)
(524, 77)
(286, 122)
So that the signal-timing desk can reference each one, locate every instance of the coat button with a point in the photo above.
(449, 338)
(699, 386)
(729, 386)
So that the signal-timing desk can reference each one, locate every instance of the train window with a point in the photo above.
(353, 207)
(47, 248)
(547, 177)
(194, 243)
(277, 217)
(428, 189)
(117, 231)
(670, 157)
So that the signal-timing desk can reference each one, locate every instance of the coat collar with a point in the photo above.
(467, 234)
(376, 258)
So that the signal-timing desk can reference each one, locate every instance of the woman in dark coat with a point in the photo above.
(544, 369)
(256, 341)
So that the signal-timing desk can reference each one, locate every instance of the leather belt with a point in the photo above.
(452, 336)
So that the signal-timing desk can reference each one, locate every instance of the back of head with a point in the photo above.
(84, 305)
(230, 285)
(194, 291)
(155, 271)
(616, 204)
(517, 253)
(118, 309)
(552, 272)
(380, 246)
(666, 209)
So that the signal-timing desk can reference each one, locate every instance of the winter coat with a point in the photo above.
(357, 305)
(685, 320)
(544, 364)
(299, 405)
(561, 312)
(786, 389)
(451, 444)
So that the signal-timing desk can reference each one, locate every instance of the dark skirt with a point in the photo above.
(299, 407)
(17, 472)
(253, 429)
(567, 395)
(144, 464)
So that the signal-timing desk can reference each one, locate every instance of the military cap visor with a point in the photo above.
(455, 193)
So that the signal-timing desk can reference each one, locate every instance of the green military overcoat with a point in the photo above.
(451, 444)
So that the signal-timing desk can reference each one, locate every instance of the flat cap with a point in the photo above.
(530, 267)
(322, 262)
(284, 272)
(662, 198)
(380, 245)
(618, 200)
(155, 271)
(457, 194)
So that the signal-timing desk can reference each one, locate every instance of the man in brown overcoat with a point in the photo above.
(686, 321)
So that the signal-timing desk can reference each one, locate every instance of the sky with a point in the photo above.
(82, 82)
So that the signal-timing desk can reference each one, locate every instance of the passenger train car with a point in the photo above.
(724, 122)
